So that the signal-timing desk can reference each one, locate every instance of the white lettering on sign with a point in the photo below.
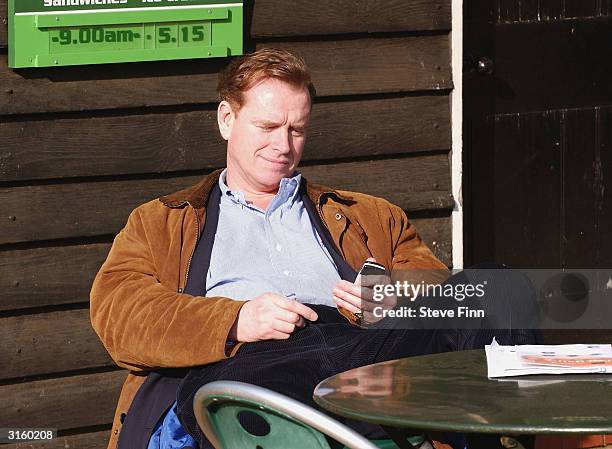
(49, 3)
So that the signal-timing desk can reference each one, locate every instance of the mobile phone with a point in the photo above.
(369, 269)
(372, 269)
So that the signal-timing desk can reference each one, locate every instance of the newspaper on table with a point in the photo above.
(520, 360)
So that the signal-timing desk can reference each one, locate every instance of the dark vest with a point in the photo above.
(157, 394)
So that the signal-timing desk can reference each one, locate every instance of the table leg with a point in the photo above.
(400, 437)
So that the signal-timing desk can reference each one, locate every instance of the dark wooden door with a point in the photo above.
(538, 132)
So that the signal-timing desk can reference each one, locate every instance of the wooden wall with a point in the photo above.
(81, 147)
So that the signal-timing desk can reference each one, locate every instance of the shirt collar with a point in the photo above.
(288, 190)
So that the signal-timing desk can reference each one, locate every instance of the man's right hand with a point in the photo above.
(270, 317)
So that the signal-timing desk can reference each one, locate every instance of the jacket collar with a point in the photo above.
(197, 195)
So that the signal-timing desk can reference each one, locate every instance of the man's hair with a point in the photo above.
(244, 72)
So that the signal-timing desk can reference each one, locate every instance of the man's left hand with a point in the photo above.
(358, 298)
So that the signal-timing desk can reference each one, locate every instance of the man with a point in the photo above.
(245, 259)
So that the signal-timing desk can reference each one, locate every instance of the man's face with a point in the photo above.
(266, 137)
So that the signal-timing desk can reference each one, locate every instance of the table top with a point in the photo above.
(451, 392)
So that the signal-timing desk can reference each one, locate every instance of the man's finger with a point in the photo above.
(349, 287)
(287, 315)
(363, 292)
(359, 302)
(283, 326)
(351, 299)
(346, 305)
(277, 335)
(300, 309)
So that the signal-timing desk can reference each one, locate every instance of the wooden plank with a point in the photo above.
(508, 11)
(529, 10)
(376, 64)
(63, 275)
(413, 183)
(49, 343)
(44, 276)
(437, 234)
(579, 193)
(527, 148)
(307, 17)
(93, 440)
(538, 61)
(100, 208)
(577, 336)
(587, 204)
(64, 403)
(551, 9)
(339, 67)
(91, 87)
(603, 256)
(42, 149)
(581, 8)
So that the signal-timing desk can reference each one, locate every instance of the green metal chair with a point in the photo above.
(292, 425)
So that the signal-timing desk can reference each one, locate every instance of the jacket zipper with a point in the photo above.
(194, 247)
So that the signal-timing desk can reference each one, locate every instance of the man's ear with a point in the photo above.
(225, 119)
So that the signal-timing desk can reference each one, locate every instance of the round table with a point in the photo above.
(451, 392)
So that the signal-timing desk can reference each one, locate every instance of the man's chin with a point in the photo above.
(272, 181)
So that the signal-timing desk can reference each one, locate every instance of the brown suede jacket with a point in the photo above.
(137, 305)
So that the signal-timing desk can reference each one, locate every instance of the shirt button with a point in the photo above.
(338, 215)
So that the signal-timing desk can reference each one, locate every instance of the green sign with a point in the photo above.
(74, 32)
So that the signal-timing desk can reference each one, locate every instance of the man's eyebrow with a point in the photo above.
(266, 122)
(275, 123)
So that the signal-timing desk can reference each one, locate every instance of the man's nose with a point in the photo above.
(282, 140)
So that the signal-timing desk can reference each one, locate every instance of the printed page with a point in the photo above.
(520, 360)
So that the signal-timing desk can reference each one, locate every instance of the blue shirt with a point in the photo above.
(276, 250)
(255, 251)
